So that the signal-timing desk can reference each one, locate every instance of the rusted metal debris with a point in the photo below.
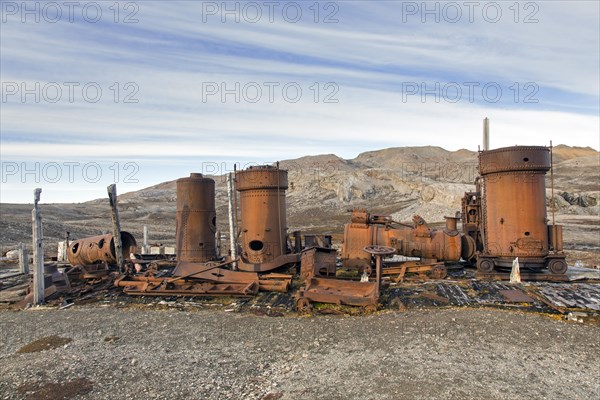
(515, 296)
(204, 279)
(347, 292)
(317, 262)
(418, 240)
(97, 249)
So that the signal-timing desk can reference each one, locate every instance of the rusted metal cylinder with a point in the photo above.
(196, 219)
(263, 213)
(514, 202)
(96, 249)
(446, 245)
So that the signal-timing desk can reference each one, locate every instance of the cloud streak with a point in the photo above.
(372, 58)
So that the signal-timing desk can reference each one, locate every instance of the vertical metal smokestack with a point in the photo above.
(486, 134)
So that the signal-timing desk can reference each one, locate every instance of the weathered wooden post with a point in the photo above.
(23, 259)
(112, 197)
(232, 227)
(38, 250)
(145, 249)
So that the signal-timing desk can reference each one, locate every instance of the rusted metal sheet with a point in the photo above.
(196, 223)
(513, 209)
(515, 296)
(263, 219)
(317, 262)
(418, 241)
(95, 249)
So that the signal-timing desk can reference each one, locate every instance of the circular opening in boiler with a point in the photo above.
(256, 245)
(526, 159)
(526, 233)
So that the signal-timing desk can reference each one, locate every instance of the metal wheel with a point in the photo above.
(379, 250)
(438, 272)
(485, 266)
(557, 266)
(303, 305)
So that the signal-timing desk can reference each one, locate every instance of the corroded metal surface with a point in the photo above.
(95, 249)
(508, 211)
(263, 238)
(418, 241)
(196, 219)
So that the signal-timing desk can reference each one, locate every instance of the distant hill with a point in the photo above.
(402, 181)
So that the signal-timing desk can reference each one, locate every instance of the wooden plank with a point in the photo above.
(112, 197)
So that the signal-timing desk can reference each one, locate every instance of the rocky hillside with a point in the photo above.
(402, 182)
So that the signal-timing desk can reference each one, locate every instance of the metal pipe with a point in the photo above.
(486, 134)
(232, 226)
(552, 196)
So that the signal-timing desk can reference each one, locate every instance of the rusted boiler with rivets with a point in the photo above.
(196, 219)
(263, 237)
(512, 187)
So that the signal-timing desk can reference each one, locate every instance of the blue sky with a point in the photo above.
(157, 89)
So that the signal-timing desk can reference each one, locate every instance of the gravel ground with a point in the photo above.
(428, 354)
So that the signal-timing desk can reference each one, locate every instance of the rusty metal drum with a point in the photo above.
(101, 248)
(514, 202)
(263, 213)
(196, 219)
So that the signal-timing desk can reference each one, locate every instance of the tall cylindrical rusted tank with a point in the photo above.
(263, 215)
(196, 219)
(101, 248)
(514, 205)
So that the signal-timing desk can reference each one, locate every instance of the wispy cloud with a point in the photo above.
(162, 82)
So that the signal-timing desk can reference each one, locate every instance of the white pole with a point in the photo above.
(486, 134)
(38, 251)
(232, 228)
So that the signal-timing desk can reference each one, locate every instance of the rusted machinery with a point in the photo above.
(263, 239)
(506, 215)
(430, 245)
(196, 223)
(200, 271)
(99, 249)
(347, 292)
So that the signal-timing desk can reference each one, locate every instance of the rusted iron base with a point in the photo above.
(525, 276)
(398, 271)
(337, 291)
(146, 286)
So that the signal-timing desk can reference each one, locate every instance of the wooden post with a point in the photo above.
(38, 251)
(232, 227)
(145, 247)
(23, 259)
(112, 197)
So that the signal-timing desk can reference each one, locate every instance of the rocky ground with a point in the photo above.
(103, 352)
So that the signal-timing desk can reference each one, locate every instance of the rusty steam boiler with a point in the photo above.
(196, 219)
(419, 240)
(506, 215)
(263, 228)
(98, 249)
